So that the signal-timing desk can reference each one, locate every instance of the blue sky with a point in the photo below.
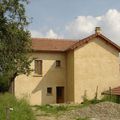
(58, 17)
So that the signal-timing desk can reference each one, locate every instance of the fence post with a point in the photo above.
(110, 93)
(7, 113)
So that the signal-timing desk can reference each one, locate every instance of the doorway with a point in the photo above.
(60, 94)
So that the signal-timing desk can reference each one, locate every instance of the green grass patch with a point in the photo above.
(21, 109)
(111, 98)
(56, 109)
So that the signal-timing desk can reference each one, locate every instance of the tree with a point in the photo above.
(15, 42)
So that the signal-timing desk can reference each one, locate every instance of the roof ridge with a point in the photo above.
(116, 45)
(67, 44)
(55, 39)
(81, 40)
(86, 40)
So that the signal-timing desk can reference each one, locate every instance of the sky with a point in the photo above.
(74, 19)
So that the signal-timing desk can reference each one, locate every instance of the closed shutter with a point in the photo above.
(38, 67)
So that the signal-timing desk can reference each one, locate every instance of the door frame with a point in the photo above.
(62, 99)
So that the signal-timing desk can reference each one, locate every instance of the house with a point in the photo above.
(68, 70)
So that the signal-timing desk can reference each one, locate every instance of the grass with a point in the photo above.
(21, 109)
(112, 98)
(55, 109)
(59, 109)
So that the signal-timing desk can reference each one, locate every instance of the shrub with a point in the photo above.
(86, 101)
(21, 109)
(95, 101)
(111, 98)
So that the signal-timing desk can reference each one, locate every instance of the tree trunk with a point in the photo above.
(12, 87)
(12, 84)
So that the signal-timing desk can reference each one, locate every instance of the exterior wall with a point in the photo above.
(34, 87)
(82, 71)
(95, 64)
(70, 76)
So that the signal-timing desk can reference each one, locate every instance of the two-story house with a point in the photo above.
(66, 70)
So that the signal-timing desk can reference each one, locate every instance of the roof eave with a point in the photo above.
(84, 41)
(33, 50)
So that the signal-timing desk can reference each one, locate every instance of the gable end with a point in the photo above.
(84, 41)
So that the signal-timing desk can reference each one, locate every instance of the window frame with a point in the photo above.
(49, 91)
(58, 63)
(37, 67)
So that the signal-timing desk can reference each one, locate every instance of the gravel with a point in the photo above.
(100, 111)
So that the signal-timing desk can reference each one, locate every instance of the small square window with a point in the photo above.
(49, 91)
(58, 63)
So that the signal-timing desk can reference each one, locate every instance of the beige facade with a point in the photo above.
(34, 87)
(96, 66)
(83, 70)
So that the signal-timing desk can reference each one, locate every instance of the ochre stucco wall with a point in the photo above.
(70, 77)
(83, 69)
(95, 64)
(34, 87)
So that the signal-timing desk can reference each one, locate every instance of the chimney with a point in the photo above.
(98, 30)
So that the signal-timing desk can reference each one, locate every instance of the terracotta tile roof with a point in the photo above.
(61, 45)
(114, 91)
(89, 38)
(45, 44)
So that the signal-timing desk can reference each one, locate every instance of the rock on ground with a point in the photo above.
(100, 111)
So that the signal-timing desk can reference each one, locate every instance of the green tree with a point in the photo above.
(15, 42)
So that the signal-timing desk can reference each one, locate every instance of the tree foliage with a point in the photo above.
(15, 42)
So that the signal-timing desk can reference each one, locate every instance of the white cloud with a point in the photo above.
(49, 34)
(81, 25)
(84, 25)
(36, 34)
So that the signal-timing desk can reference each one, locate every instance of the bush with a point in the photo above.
(21, 109)
(3, 83)
(95, 101)
(111, 98)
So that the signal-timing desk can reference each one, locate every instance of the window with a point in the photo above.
(38, 67)
(58, 63)
(49, 91)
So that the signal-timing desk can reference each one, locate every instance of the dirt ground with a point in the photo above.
(100, 111)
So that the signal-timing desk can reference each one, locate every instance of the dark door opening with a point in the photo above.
(60, 94)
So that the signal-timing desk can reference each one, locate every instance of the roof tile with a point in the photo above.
(45, 44)
(61, 45)
(114, 91)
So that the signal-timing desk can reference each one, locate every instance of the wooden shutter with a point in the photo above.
(38, 67)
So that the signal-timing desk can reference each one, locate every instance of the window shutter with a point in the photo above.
(38, 67)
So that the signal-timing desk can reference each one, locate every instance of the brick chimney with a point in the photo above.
(98, 30)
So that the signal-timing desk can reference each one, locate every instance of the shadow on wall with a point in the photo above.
(45, 82)
(51, 79)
